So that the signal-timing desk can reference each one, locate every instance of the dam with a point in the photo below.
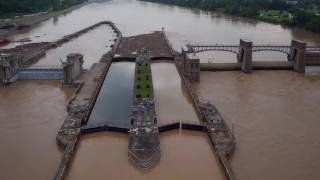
(244, 101)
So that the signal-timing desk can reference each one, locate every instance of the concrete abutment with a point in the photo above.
(297, 55)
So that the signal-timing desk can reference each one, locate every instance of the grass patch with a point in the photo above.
(143, 82)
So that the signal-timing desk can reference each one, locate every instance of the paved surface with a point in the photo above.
(156, 42)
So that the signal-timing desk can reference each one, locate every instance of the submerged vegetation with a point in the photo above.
(9, 8)
(301, 13)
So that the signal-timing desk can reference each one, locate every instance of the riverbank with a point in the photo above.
(285, 15)
(37, 19)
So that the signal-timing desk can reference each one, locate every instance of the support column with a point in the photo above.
(183, 64)
(297, 55)
(245, 56)
(9, 67)
(192, 67)
(72, 68)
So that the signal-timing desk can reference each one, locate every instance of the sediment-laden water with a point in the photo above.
(275, 117)
(171, 98)
(185, 155)
(182, 26)
(274, 140)
(31, 113)
(92, 45)
(113, 105)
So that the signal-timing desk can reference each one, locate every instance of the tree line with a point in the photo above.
(302, 13)
(8, 7)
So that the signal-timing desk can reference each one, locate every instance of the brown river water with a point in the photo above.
(31, 112)
(274, 140)
(185, 155)
(171, 99)
(92, 45)
(275, 117)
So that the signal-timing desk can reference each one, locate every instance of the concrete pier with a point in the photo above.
(72, 68)
(245, 55)
(9, 66)
(144, 143)
(297, 55)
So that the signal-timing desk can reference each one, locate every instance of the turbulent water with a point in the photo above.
(274, 140)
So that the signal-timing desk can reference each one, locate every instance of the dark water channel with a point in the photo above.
(115, 98)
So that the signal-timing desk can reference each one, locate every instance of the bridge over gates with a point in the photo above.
(236, 48)
(298, 53)
(41, 73)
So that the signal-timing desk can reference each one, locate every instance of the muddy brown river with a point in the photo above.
(185, 155)
(275, 114)
(275, 117)
(171, 99)
(31, 113)
(102, 37)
